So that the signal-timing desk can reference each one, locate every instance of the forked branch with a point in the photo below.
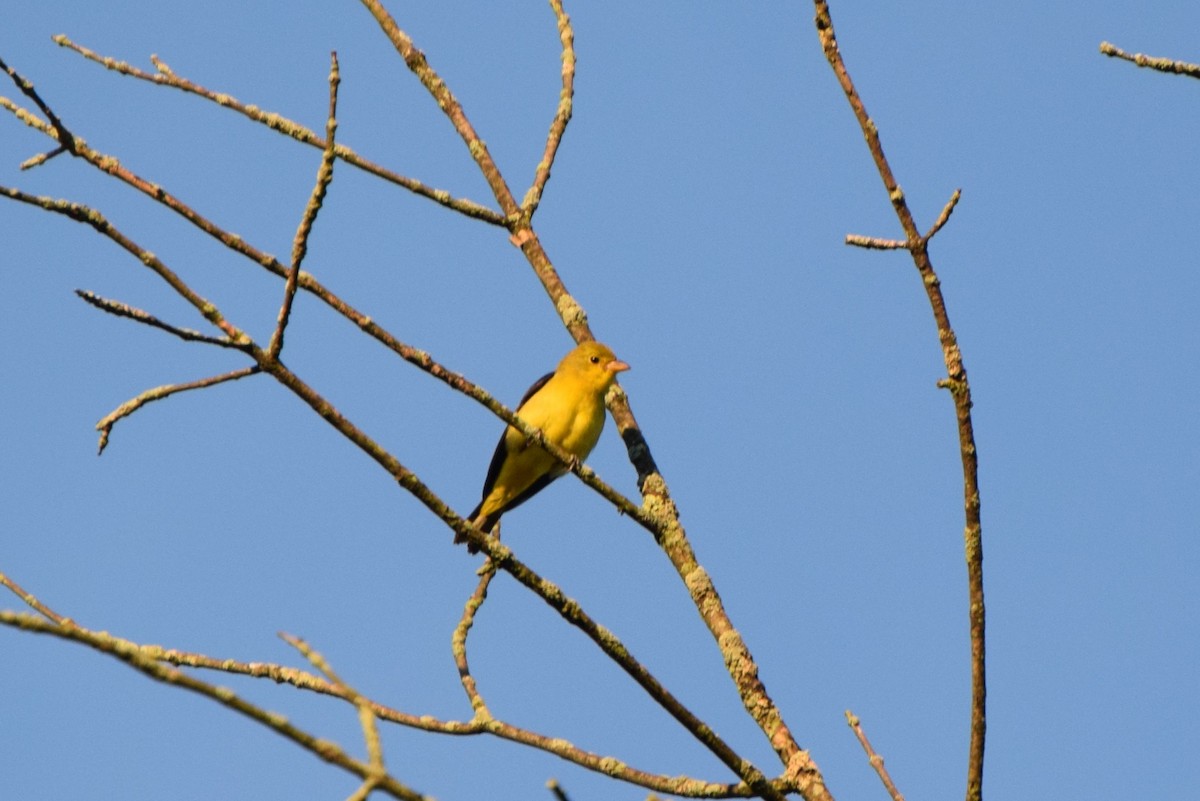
(956, 382)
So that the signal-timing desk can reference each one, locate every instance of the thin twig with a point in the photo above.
(1152, 62)
(93, 218)
(289, 128)
(458, 641)
(944, 217)
(960, 391)
(133, 313)
(41, 158)
(65, 138)
(313, 207)
(557, 791)
(366, 716)
(131, 654)
(33, 603)
(562, 114)
(875, 759)
(130, 406)
(875, 243)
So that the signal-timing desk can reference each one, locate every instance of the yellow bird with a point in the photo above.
(568, 406)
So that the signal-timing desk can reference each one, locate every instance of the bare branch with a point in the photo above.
(41, 158)
(84, 214)
(64, 136)
(458, 641)
(366, 716)
(875, 759)
(944, 217)
(33, 603)
(449, 105)
(133, 313)
(675, 785)
(130, 653)
(165, 77)
(300, 242)
(557, 791)
(875, 243)
(562, 115)
(1152, 62)
(956, 379)
(130, 406)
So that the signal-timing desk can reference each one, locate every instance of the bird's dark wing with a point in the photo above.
(501, 454)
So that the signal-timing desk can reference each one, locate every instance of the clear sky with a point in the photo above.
(784, 381)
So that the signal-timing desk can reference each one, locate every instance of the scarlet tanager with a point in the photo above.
(568, 406)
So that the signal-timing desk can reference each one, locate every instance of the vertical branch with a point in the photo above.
(300, 242)
(458, 641)
(561, 117)
(960, 391)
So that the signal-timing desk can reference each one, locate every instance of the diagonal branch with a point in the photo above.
(277, 122)
(450, 106)
(366, 716)
(300, 242)
(1152, 62)
(674, 785)
(65, 137)
(960, 391)
(33, 603)
(131, 654)
(93, 218)
(944, 217)
(130, 406)
(875, 759)
(133, 313)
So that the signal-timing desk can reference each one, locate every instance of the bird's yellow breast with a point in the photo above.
(570, 419)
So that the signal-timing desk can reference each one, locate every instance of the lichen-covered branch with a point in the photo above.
(132, 655)
(1152, 62)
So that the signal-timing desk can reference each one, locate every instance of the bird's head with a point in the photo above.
(595, 364)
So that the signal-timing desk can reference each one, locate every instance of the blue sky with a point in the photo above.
(785, 382)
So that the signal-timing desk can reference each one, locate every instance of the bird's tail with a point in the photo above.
(485, 524)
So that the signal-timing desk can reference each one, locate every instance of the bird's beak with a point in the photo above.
(616, 366)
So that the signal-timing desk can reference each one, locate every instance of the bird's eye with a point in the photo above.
(595, 360)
